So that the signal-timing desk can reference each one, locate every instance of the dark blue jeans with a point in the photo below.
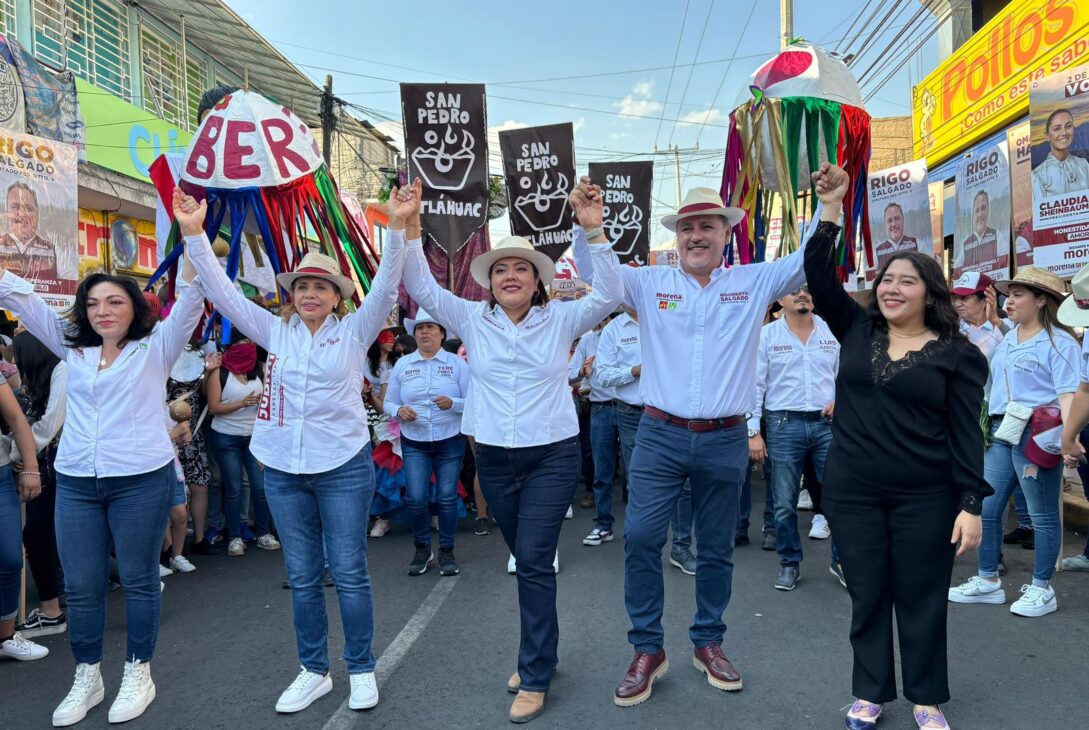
(604, 438)
(792, 437)
(681, 524)
(129, 513)
(529, 490)
(1083, 472)
(232, 453)
(627, 425)
(665, 457)
(331, 508)
(11, 545)
(422, 459)
(746, 500)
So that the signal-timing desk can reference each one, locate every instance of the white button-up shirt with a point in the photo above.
(699, 342)
(311, 418)
(114, 416)
(618, 352)
(588, 347)
(416, 381)
(1037, 371)
(986, 336)
(792, 375)
(518, 392)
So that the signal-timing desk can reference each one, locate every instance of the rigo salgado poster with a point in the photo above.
(38, 179)
(1059, 112)
(899, 213)
(626, 188)
(539, 166)
(981, 230)
(446, 142)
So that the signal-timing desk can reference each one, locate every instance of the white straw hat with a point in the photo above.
(703, 201)
(422, 317)
(512, 247)
(1074, 311)
(318, 266)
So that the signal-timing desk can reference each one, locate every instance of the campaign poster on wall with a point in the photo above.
(539, 166)
(981, 230)
(1059, 134)
(936, 193)
(38, 179)
(1019, 143)
(446, 143)
(899, 213)
(626, 188)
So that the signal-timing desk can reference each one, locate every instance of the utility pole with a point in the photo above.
(786, 23)
(676, 152)
(328, 120)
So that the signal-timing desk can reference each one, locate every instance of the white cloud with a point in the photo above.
(702, 116)
(579, 124)
(495, 156)
(643, 88)
(638, 103)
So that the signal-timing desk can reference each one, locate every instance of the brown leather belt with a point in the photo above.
(695, 425)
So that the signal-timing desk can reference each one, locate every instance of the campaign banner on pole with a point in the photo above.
(38, 178)
(981, 230)
(899, 213)
(626, 187)
(1019, 142)
(1059, 134)
(539, 166)
(446, 143)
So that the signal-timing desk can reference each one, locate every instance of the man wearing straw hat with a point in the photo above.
(699, 327)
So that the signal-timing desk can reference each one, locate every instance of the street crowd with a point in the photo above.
(906, 423)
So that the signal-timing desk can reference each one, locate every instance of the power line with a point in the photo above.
(725, 73)
(691, 69)
(673, 68)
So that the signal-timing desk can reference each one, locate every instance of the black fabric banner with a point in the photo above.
(539, 165)
(626, 187)
(446, 143)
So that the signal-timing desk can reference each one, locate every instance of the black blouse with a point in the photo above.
(912, 422)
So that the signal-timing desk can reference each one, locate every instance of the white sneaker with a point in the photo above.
(556, 563)
(380, 527)
(164, 571)
(181, 564)
(87, 691)
(570, 512)
(364, 691)
(598, 536)
(306, 688)
(512, 565)
(236, 547)
(1035, 601)
(136, 693)
(22, 650)
(804, 500)
(819, 530)
(268, 542)
(977, 590)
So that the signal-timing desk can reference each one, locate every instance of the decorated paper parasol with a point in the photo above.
(800, 108)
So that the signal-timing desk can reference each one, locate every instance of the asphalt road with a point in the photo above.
(447, 645)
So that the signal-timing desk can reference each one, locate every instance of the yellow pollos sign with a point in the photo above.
(985, 83)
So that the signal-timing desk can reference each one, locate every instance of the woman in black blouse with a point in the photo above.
(904, 476)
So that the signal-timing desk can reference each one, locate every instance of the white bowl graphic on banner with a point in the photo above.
(543, 209)
(624, 229)
(444, 167)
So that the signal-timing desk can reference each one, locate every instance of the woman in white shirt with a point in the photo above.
(519, 410)
(426, 394)
(1035, 365)
(311, 436)
(115, 468)
(234, 391)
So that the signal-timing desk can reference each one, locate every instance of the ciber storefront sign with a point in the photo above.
(985, 83)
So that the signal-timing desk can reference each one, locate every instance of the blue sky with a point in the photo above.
(582, 62)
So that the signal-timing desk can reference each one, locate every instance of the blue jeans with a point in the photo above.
(443, 459)
(791, 438)
(11, 545)
(329, 508)
(129, 512)
(1004, 467)
(529, 490)
(232, 453)
(665, 458)
(681, 524)
(604, 437)
(1020, 506)
(627, 424)
(746, 499)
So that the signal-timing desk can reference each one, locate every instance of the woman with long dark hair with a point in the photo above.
(519, 410)
(115, 467)
(903, 482)
(45, 378)
(1036, 366)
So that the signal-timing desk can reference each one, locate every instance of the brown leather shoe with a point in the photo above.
(637, 684)
(720, 672)
(514, 683)
(587, 501)
(527, 705)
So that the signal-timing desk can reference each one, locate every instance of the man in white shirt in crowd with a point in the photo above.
(699, 326)
(796, 368)
(604, 436)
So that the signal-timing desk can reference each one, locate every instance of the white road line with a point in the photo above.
(391, 658)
